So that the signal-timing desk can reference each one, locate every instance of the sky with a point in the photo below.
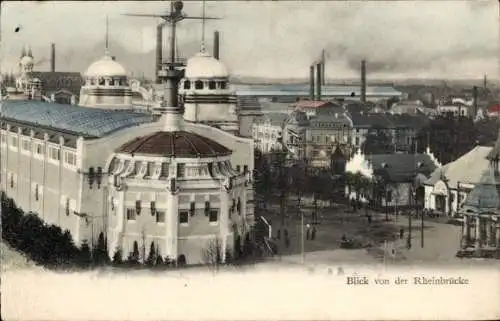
(270, 39)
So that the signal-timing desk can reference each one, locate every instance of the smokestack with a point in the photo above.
(363, 81)
(485, 82)
(474, 102)
(53, 57)
(159, 46)
(318, 81)
(323, 82)
(216, 45)
(311, 82)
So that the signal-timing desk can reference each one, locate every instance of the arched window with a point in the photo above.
(198, 84)
(101, 81)
(187, 84)
(211, 84)
(223, 84)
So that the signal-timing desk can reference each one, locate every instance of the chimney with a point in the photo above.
(485, 82)
(474, 102)
(363, 81)
(216, 45)
(311, 82)
(53, 58)
(159, 46)
(318, 81)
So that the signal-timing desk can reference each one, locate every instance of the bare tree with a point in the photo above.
(211, 253)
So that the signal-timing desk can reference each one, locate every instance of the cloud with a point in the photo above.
(273, 39)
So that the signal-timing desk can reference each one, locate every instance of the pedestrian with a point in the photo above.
(307, 233)
(401, 233)
(313, 233)
(287, 241)
(369, 219)
(279, 235)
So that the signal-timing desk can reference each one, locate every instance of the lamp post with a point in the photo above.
(302, 245)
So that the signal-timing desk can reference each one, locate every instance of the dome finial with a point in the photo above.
(203, 28)
(106, 50)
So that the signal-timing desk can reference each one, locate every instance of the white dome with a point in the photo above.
(27, 60)
(202, 65)
(105, 67)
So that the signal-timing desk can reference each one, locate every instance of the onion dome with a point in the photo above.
(180, 144)
(105, 67)
(26, 60)
(203, 65)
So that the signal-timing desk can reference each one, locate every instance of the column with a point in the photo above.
(466, 232)
(489, 234)
(478, 233)
(498, 235)
(172, 226)
(224, 221)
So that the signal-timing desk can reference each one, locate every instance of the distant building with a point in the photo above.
(268, 132)
(399, 171)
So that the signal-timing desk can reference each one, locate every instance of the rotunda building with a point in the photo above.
(176, 192)
(106, 85)
(206, 94)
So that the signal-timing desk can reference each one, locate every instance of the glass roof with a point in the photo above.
(84, 121)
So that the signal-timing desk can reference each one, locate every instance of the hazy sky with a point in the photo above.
(451, 39)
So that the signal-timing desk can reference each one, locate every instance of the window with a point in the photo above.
(38, 149)
(233, 206)
(198, 84)
(192, 207)
(213, 217)
(54, 153)
(37, 193)
(207, 207)
(26, 145)
(138, 207)
(238, 168)
(245, 169)
(187, 84)
(13, 142)
(223, 85)
(70, 158)
(238, 205)
(181, 170)
(183, 217)
(211, 84)
(152, 206)
(160, 217)
(131, 215)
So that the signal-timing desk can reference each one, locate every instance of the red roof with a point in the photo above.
(311, 103)
(494, 108)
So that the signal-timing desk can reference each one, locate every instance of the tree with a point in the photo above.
(212, 253)
(133, 257)
(152, 255)
(100, 252)
(377, 141)
(84, 258)
(117, 257)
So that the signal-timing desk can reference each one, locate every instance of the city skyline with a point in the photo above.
(289, 36)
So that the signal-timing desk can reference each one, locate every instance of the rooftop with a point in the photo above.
(180, 144)
(466, 169)
(402, 167)
(88, 122)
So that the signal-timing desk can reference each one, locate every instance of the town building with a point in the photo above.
(399, 172)
(268, 132)
(448, 186)
(138, 178)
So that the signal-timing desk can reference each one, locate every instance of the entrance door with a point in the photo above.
(440, 203)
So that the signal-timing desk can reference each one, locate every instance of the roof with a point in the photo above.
(54, 81)
(494, 107)
(180, 144)
(486, 194)
(402, 167)
(313, 104)
(330, 118)
(466, 169)
(203, 65)
(248, 103)
(386, 120)
(277, 119)
(90, 122)
(106, 66)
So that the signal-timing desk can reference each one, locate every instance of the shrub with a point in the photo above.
(151, 256)
(117, 257)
